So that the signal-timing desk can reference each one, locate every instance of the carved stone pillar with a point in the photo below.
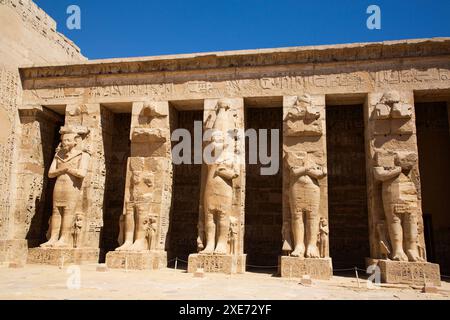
(38, 127)
(221, 215)
(305, 192)
(394, 200)
(83, 121)
(148, 191)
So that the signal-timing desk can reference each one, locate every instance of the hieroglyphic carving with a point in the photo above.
(9, 92)
(282, 82)
(412, 273)
(292, 267)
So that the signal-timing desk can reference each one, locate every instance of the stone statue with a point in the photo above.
(151, 228)
(400, 202)
(323, 237)
(201, 232)
(304, 202)
(69, 167)
(421, 240)
(391, 106)
(232, 236)
(77, 230)
(302, 119)
(218, 192)
(137, 211)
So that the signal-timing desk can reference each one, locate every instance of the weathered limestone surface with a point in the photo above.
(295, 267)
(227, 264)
(412, 273)
(145, 220)
(146, 260)
(221, 216)
(62, 256)
(74, 96)
(28, 36)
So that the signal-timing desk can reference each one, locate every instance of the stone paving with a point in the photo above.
(50, 282)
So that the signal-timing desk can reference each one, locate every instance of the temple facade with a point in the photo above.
(361, 133)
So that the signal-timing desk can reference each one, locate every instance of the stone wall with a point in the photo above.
(263, 206)
(28, 36)
(434, 156)
(348, 214)
(186, 196)
(39, 139)
(116, 138)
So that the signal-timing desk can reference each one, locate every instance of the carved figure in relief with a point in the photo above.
(151, 228)
(400, 202)
(69, 167)
(77, 230)
(421, 239)
(304, 202)
(323, 237)
(137, 209)
(232, 236)
(218, 192)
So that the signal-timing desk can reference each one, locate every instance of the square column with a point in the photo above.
(394, 198)
(221, 214)
(148, 191)
(83, 120)
(305, 189)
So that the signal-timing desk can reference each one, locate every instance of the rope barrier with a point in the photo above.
(262, 267)
(277, 266)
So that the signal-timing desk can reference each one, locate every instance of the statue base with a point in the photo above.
(13, 251)
(63, 256)
(217, 263)
(142, 260)
(412, 273)
(295, 267)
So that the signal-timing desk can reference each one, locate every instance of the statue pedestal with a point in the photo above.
(142, 260)
(63, 256)
(215, 263)
(295, 267)
(13, 251)
(412, 273)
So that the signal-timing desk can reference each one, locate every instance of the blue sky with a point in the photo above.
(154, 27)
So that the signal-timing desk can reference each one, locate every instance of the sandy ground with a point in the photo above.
(49, 282)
